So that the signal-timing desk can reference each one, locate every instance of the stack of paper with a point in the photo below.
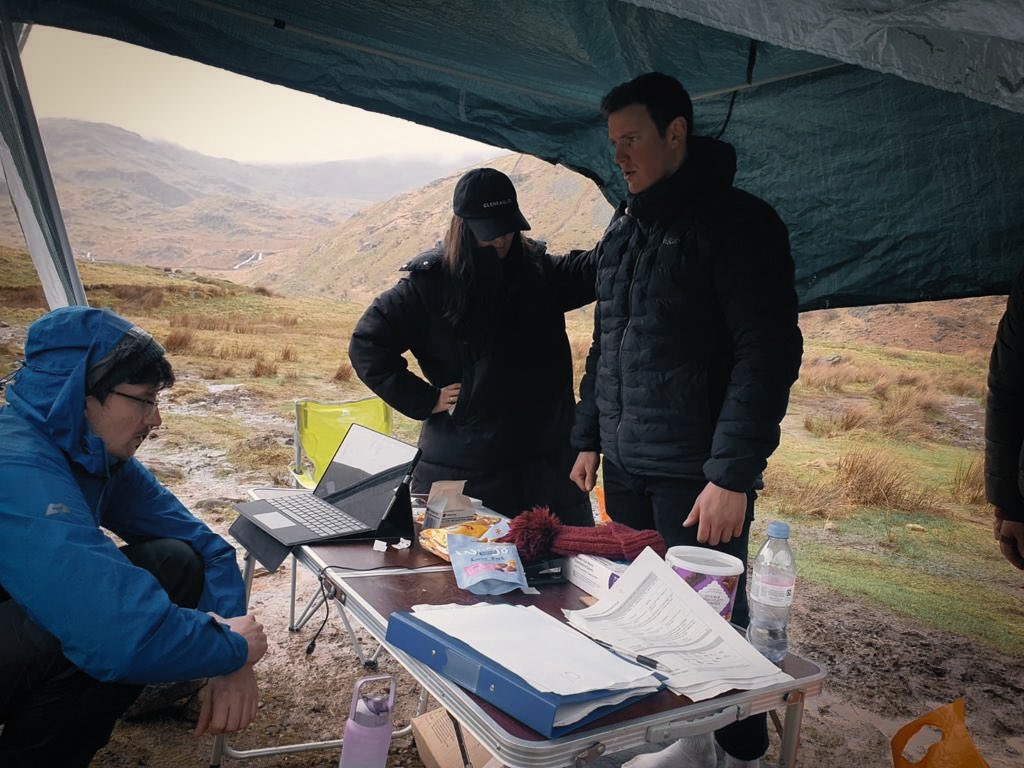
(557, 676)
(650, 611)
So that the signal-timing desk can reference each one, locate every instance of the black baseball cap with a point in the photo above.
(486, 200)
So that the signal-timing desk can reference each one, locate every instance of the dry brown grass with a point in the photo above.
(968, 486)
(179, 341)
(878, 480)
(263, 368)
(908, 411)
(965, 385)
(224, 323)
(260, 452)
(236, 351)
(344, 372)
(286, 321)
(288, 355)
(22, 297)
(262, 290)
(815, 497)
(140, 297)
(220, 372)
(833, 424)
(836, 376)
(11, 348)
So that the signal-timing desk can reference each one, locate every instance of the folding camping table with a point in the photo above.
(371, 585)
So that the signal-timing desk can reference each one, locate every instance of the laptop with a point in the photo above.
(363, 494)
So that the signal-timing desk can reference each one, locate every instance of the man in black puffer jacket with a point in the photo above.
(696, 346)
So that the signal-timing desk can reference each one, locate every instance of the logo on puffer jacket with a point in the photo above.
(56, 509)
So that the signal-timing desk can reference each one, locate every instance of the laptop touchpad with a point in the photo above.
(273, 520)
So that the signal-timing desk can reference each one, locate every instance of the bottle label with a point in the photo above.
(778, 592)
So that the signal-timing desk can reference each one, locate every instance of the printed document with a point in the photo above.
(651, 612)
(539, 648)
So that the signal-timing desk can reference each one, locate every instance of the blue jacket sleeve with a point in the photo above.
(113, 620)
(140, 508)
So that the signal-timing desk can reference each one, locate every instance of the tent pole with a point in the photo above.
(28, 177)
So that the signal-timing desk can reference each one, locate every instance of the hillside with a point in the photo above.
(127, 198)
(361, 257)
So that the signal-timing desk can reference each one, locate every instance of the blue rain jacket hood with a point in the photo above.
(49, 392)
(59, 488)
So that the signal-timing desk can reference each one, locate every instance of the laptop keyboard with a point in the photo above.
(319, 516)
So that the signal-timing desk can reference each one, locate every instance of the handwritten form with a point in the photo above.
(650, 611)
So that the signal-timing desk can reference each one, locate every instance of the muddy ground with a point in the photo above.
(883, 670)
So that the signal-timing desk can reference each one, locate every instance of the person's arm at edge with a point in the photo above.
(572, 277)
(1004, 428)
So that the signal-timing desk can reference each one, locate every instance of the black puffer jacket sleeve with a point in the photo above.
(1004, 413)
(395, 322)
(571, 278)
(754, 286)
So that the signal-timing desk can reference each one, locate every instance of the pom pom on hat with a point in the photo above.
(538, 534)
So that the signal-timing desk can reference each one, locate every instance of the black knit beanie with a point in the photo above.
(133, 353)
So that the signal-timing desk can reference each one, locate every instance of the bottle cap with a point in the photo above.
(778, 530)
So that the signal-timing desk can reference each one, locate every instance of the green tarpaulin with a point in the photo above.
(889, 135)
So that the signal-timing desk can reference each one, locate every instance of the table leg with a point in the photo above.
(791, 731)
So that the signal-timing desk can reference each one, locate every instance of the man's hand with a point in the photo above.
(720, 513)
(1010, 535)
(230, 703)
(252, 631)
(584, 471)
(447, 398)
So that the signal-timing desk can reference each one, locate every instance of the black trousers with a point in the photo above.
(52, 712)
(662, 503)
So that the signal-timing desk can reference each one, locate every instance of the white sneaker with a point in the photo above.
(689, 752)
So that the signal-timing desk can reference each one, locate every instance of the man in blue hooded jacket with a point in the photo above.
(84, 624)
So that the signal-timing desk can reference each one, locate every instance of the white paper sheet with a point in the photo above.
(651, 611)
(537, 647)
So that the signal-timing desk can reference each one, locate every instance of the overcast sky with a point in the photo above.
(212, 111)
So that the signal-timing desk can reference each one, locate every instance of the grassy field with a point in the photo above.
(878, 472)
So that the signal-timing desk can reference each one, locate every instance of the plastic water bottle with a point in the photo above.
(368, 728)
(771, 593)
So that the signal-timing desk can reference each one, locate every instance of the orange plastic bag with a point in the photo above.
(954, 750)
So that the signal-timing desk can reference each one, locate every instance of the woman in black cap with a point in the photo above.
(484, 316)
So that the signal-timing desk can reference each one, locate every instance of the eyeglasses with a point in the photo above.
(150, 405)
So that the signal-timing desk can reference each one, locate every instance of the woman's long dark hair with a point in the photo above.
(474, 281)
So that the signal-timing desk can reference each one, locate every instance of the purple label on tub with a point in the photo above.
(718, 591)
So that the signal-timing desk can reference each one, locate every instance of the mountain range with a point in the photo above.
(361, 257)
(128, 198)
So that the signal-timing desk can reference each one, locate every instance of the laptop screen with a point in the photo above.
(363, 453)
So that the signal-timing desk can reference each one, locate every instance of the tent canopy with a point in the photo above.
(889, 135)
